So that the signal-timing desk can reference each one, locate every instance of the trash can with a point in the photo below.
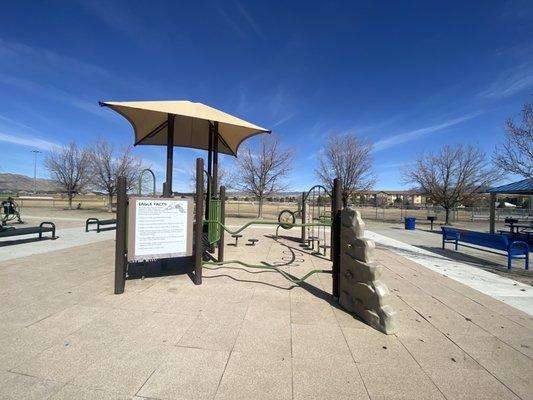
(410, 223)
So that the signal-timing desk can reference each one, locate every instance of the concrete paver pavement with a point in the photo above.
(63, 334)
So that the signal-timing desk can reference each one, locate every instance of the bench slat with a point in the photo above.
(25, 231)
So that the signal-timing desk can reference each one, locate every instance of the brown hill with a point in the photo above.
(15, 183)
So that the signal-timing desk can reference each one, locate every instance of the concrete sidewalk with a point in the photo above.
(14, 247)
(249, 334)
(509, 291)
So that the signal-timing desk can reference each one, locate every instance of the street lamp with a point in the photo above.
(35, 152)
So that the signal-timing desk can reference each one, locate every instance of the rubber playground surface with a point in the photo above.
(246, 334)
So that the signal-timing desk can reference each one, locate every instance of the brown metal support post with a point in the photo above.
(198, 228)
(336, 235)
(215, 160)
(304, 210)
(167, 189)
(209, 170)
(492, 212)
(223, 222)
(120, 236)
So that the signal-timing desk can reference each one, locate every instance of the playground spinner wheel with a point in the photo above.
(285, 218)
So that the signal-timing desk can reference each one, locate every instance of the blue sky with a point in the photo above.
(409, 76)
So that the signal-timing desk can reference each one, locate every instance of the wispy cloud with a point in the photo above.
(22, 57)
(276, 104)
(284, 119)
(231, 23)
(117, 16)
(28, 141)
(251, 21)
(10, 121)
(401, 138)
(39, 58)
(55, 94)
(510, 82)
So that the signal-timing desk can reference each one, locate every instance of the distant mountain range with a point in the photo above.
(15, 183)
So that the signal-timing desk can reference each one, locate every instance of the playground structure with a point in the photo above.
(9, 211)
(186, 124)
(209, 228)
(216, 226)
(191, 228)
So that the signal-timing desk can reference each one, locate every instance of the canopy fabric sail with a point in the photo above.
(191, 124)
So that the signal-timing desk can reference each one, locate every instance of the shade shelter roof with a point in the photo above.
(524, 187)
(191, 125)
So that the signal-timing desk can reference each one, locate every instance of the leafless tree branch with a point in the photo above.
(348, 158)
(452, 176)
(262, 173)
(515, 154)
(70, 167)
(107, 165)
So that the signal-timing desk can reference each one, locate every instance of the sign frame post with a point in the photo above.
(120, 242)
(199, 221)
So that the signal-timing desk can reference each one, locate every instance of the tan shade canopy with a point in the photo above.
(191, 124)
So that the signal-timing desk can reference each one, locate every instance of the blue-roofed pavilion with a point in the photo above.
(523, 187)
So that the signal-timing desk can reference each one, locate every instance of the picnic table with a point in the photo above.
(519, 229)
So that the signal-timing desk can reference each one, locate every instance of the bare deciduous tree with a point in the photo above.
(107, 165)
(261, 173)
(348, 158)
(452, 176)
(225, 178)
(70, 167)
(515, 155)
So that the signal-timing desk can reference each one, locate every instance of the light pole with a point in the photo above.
(35, 152)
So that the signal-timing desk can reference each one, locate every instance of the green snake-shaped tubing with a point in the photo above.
(265, 265)
(239, 230)
(286, 275)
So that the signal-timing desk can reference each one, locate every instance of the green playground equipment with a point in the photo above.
(264, 265)
(316, 219)
(140, 181)
(213, 213)
(9, 211)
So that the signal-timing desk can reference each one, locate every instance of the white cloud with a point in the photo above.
(284, 119)
(401, 138)
(119, 17)
(39, 58)
(57, 94)
(28, 141)
(510, 82)
(248, 17)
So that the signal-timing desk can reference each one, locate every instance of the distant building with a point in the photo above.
(390, 197)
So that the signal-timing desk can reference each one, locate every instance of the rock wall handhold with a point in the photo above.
(361, 290)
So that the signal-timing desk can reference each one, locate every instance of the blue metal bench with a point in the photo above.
(515, 249)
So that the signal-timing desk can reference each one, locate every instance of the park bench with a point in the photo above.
(515, 249)
(42, 228)
(99, 223)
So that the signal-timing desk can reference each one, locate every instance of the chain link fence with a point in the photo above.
(58, 202)
(271, 210)
(461, 214)
(250, 209)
